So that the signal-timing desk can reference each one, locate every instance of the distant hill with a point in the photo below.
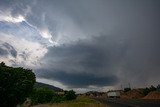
(39, 85)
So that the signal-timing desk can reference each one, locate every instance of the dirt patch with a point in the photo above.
(153, 95)
(132, 94)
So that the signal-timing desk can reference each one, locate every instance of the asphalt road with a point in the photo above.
(113, 102)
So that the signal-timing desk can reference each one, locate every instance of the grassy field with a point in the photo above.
(79, 102)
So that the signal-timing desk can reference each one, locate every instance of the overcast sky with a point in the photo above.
(83, 44)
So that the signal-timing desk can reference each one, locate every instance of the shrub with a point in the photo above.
(152, 88)
(57, 98)
(41, 95)
(158, 87)
(148, 90)
(70, 95)
(127, 89)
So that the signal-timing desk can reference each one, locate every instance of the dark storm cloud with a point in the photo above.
(3, 52)
(105, 60)
(85, 63)
(7, 49)
(78, 80)
(143, 59)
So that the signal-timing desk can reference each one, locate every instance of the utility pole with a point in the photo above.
(129, 85)
(121, 87)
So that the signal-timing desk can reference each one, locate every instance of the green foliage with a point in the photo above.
(57, 98)
(15, 85)
(2, 64)
(41, 95)
(158, 87)
(70, 95)
(148, 90)
(127, 89)
(152, 88)
(45, 95)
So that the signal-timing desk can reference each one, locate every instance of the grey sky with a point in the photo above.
(83, 43)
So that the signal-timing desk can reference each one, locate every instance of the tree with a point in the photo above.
(2, 64)
(15, 85)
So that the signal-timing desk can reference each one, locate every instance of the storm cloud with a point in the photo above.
(96, 59)
(112, 60)
(7, 49)
(78, 80)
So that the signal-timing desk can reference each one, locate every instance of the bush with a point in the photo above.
(127, 89)
(57, 98)
(152, 88)
(41, 95)
(158, 87)
(15, 85)
(70, 95)
(148, 90)
(44, 95)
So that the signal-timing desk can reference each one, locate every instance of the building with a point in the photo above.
(113, 94)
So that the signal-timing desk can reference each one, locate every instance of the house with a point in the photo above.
(113, 94)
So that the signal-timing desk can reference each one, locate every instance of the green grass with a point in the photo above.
(79, 102)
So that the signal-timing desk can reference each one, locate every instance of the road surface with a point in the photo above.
(115, 102)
